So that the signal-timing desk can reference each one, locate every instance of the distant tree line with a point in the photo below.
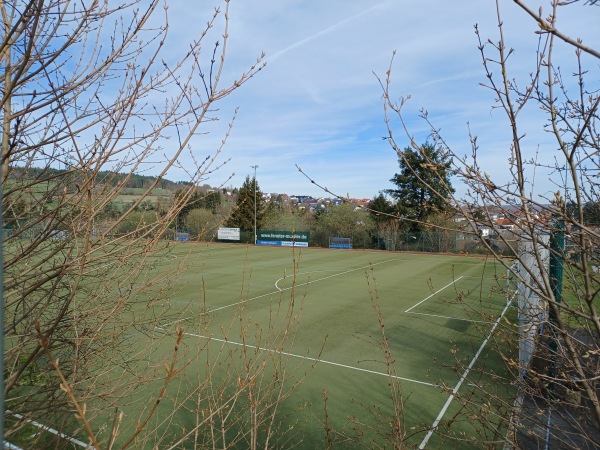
(417, 204)
(392, 220)
(105, 177)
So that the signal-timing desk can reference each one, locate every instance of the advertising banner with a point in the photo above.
(229, 234)
(283, 238)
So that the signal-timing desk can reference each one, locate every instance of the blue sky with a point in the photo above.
(318, 104)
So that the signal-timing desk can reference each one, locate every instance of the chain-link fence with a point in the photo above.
(446, 241)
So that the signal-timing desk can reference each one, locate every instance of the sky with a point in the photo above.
(318, 102)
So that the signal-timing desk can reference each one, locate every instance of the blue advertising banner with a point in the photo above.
(283, 238)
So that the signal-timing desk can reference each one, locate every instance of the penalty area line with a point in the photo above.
(436, 292)
(308, 358)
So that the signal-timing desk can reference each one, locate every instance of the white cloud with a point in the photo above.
(318, 104)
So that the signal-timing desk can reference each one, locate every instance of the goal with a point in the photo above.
(340, 242)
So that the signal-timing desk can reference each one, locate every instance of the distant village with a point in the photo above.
(307, 202)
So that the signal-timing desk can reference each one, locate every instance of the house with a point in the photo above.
(506, 224)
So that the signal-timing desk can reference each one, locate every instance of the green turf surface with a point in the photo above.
(311, 321)
(436, 312)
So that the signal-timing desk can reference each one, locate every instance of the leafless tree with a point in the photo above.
(556, 397)
(90, 98)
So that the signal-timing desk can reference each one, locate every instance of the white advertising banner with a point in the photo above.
(229, 234)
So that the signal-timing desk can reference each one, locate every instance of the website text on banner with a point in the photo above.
(283, 238)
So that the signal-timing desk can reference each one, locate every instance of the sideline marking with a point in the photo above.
(66, 437)
(296, 286)
(436, 292)
(462, 379)
(307, 358)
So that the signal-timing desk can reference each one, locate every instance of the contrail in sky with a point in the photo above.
(329, 29)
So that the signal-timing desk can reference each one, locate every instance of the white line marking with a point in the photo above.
(303, 273)
(52, 430)
(460, 382)
(243, 301)
(448, 317)
(175, 321)
(307, 358)
(296, 286)
(436, 292)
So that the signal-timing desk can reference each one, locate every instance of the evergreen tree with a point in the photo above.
(591, 213)
(383, 213)
(243, 214)
(211, 201)
(423, 184)
(381, 208)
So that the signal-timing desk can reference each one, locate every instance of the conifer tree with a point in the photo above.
(243, 214)
(423, 184)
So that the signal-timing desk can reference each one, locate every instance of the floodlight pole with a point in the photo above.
(254, 167)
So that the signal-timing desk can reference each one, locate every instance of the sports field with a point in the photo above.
(315, 320)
